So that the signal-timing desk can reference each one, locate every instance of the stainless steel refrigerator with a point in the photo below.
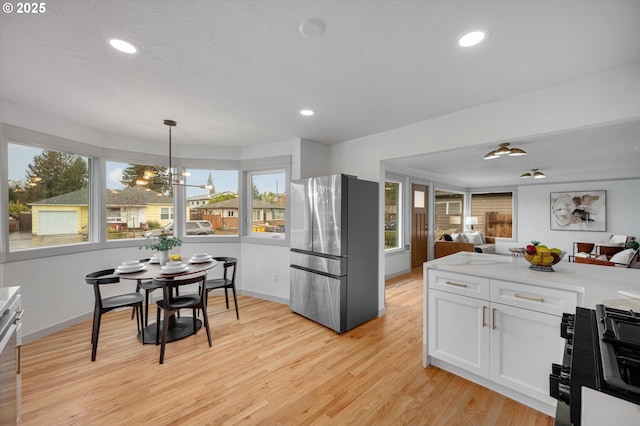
(334, 250)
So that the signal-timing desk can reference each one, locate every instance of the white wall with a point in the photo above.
(623, 205)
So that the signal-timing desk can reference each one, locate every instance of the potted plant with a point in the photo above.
(163, 243)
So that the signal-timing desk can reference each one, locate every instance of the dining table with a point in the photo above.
(181, 327)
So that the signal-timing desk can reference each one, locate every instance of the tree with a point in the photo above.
(55, 173)
(159, 182)
(222, 197)
(211, 185)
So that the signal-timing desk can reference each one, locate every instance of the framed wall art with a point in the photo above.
(578, 211)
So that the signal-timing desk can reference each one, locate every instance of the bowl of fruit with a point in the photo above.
(541, 257)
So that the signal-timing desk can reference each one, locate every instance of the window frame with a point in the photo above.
(514, 227)
(400, 219)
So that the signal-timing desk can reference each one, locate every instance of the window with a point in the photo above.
(494, 212)
(268, 203)
(449, 211)
(49, 197)
(139, 199)
(392, 203)
(213, 197)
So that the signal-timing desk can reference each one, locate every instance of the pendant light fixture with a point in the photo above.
(535, 173)
(174, 179)
(504, 149)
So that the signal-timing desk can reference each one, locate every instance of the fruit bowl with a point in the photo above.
(544, 260)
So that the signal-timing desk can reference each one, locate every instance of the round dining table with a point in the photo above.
(179, 328)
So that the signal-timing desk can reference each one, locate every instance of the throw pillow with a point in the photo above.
(623, 257)
(458, 238)
(474, 238)
(446, 237)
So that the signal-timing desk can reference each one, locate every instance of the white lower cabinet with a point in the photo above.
(508, 345)
(457, 332)
(524, 344)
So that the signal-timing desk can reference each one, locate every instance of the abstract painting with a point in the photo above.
(578, 211)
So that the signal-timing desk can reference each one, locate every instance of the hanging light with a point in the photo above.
(504, 149)
(174, 179)
(535, 173)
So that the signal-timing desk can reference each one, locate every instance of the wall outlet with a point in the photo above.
(274, 278)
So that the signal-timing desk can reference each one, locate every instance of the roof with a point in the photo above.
(132, 196)
(233, 203)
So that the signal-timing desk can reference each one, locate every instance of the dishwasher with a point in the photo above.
(10, 355)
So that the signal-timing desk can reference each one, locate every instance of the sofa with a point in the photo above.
(465, 241)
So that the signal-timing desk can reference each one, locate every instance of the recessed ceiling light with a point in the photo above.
(122, 45)
(307, 112)
(312, 28)
(472, 38)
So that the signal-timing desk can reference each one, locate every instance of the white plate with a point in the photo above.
(156, 260)
(130, 270)
(200, 259)
(174, 271)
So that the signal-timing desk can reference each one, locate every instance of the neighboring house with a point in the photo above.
(127, 208)
(224, 214)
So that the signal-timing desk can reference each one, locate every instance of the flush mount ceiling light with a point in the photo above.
(472, 38)
(504, 149)
(312, 28)
(307, 112)
(535, 173)
(122, 45)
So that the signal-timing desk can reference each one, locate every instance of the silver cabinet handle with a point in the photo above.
(522, 296)
(484, 320)
(456, 284)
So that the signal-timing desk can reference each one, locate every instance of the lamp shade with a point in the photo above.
(471, 220)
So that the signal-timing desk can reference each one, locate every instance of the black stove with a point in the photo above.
(602, 352)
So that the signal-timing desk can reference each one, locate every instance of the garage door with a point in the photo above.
(53, 223)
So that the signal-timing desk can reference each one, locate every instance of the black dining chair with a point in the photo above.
(148, 286)
(227, 282)
(106, 304)
(172, 303)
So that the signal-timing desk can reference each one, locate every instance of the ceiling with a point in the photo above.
(235, 73)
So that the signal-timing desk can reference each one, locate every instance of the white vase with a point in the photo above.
(164, 257)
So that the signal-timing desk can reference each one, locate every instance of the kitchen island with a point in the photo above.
(494, 321)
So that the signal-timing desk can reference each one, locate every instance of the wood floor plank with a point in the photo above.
(271, 367)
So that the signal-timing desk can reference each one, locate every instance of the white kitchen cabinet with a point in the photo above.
(458, 331)
(512, 343)
(523, 345)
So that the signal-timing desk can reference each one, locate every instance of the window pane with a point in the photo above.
(139, 200)
(213, 198)
(494, 212)
(391, 215)
(48, 197)
(449, 208)
(268, 203)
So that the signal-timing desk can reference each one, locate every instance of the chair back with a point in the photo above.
(228, 263)
(96, 279)
(635, 260)
(168, 284)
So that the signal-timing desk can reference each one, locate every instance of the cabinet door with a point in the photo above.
(524, 344)
(459, 331)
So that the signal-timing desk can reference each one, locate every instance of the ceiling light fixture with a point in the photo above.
(535, 173)
(174, 180)
(307, 112)
(122, 45)
(504, 149)
(472, 38)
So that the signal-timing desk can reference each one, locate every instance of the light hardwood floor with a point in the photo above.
(271, 367)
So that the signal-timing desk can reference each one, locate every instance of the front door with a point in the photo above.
(419, 224)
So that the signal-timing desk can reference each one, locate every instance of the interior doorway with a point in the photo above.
(419, 224)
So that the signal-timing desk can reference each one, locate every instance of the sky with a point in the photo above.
(20, 156)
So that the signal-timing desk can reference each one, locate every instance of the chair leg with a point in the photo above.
(134, 308)
(158, 326)
(226, 297)
(205, 319)
(141, 322)
(147, 293)
(235, 301)
(96, 331)
(195, 321)
(164, 335)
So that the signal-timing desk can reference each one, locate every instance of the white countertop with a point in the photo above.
(6, 294)
(595, 284)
